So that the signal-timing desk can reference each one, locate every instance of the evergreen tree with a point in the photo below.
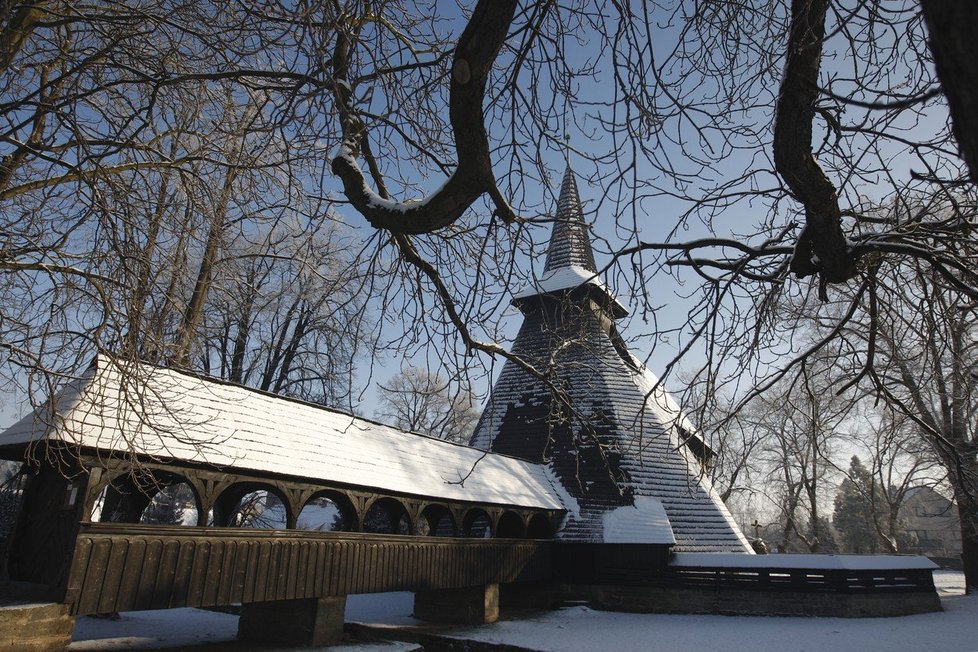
(853, 515)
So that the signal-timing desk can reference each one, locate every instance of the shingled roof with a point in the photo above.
(166, 414)
(570, 244)
(613, 438)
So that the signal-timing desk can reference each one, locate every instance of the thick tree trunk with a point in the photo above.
(822, 247)
(968, 514)
(18, 29)
(951, 24)
(194, 312)
(242, 333)
(144, 270)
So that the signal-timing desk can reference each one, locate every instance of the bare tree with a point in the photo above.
(801, 117)
(897, 461)
(420, 401)
(285, 314)
(926, 346)
(799, 424)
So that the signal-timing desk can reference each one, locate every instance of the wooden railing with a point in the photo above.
(801, 580)
(122, 567)
(647, 565)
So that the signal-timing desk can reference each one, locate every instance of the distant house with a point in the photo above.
(932, 520)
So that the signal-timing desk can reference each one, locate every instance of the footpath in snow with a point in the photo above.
(579, 629)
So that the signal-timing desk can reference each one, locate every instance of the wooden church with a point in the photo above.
(586, 483)
(629, 465)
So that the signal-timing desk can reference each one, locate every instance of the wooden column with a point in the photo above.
(472, 605)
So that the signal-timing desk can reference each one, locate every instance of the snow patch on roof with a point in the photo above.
(568, 278)
(562, 278)
(643, 522)
(569, 502)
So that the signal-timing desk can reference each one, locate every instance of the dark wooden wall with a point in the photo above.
(123, 567)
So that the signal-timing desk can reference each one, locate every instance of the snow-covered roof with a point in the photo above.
(644, 522)
(570, 278)
(802, 561)
(167, 414)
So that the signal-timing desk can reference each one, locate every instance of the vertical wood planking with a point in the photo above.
(129, 587)
(147, 580)
(94, 574)
(292, 569)
(167, 571)
(211, 580)
(242, 556)
(181, 575)
(198, 572)
(116, 569)
(337, 567)
(320, 578)
(76, 576)
(260, 575)
(303, 571)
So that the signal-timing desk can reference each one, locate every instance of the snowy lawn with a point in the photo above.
(177, 629)
(579, 629)
(145, 630)
(582, 629)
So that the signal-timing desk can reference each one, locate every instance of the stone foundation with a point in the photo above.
(689, 600)
(313, 621)
(35, 627)
(472, 605)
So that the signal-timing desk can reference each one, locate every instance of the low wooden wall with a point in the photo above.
(122, 567)
(752, 602)
(773, 591)
(801, 580)
(118, 567)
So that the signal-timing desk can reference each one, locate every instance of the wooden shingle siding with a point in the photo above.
(122, 567)
(622, 440)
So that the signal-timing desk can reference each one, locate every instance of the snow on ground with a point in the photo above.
(579, 629)
(147, 630)
(179, 628)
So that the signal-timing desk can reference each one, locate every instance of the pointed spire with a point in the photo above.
(570, 243)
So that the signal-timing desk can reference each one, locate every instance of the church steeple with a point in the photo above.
(570, 270)
(610, 437)
(570, 244)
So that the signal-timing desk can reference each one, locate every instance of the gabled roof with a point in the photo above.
(163, 413)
